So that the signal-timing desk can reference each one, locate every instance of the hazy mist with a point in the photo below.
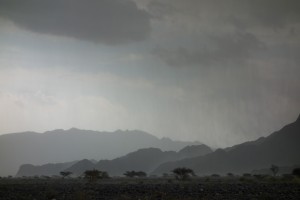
(219, 72)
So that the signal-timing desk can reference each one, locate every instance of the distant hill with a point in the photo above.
(141, 160)
(68, 145)
(77, 167)
(194, 150)
(43, 170)
(148, 159)
(280, 148)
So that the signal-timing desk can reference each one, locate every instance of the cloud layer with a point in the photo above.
(225, 49)
(210, 32)
(105, 21)
(241, 13)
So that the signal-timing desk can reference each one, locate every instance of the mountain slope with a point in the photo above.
(148, 159)
(194, 150)
(141, 160)
(43, 170)
(280, 148)
(62, 145)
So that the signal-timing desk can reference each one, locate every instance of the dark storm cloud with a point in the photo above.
(243, 13)
(105, 21)
(236, 48)
(271, 13)
(230, 32)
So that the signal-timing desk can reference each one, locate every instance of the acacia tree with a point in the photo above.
(94, 175)
(65, 174)
(132, 174)
(141, 174)
(274, 169)
(182, 173)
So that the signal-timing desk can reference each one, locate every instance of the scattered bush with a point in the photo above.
(182, 173)
(94, 175)
(296, 172)
(65, 174)
(132, 174)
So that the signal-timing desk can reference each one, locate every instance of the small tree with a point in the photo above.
(65, 174)
(230, 174)
(182, 173)
(132, 174)
(274, 169)
(141, 174)
(94, 175)
(296, 172)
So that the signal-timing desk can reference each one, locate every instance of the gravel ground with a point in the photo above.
(73, 190)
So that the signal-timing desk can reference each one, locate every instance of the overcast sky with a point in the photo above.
(220, 72)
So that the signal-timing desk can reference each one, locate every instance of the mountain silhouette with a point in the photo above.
(141, 160)
(77, 167)
(43, 170)
(59, 146)
(280, 148)
(194, 150)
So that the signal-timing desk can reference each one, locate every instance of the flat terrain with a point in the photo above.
(145, 189)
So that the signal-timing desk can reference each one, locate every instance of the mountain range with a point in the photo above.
(141, 160)
(280, 148)
(60, 146)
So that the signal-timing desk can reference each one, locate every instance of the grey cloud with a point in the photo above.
(236, 48)
(273, 14)
(105, 21)
(232, 32)
(160, 9)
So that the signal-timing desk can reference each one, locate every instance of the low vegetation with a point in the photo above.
(65, 174)
(224, 187)
(181, 184)
(133, 174)
(183, 173)
(94, 175)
